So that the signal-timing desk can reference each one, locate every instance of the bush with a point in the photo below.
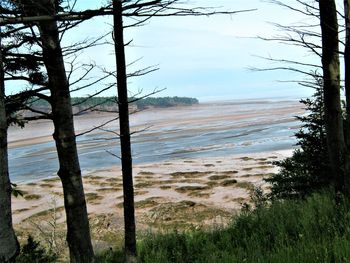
(32, 252)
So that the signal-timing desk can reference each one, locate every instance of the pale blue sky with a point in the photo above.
(204, 57)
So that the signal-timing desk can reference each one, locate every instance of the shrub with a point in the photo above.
(32, 252)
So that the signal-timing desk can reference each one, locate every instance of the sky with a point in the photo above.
(204, 57)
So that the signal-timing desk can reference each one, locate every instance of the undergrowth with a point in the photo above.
(33, 252)
(314, 230)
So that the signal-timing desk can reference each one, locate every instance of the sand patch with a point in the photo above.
(181, 194)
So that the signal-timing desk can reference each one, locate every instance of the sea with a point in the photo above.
(213, 129)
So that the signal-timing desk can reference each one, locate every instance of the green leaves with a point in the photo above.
(14, 191)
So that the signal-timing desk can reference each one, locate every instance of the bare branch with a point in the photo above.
(97, 127)
(113, 154)
(282, 68)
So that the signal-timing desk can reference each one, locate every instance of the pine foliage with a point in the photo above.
(307, 170)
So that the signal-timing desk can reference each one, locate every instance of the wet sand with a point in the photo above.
(216, 184)
(192, 186)
(238, 114)
(199, 131)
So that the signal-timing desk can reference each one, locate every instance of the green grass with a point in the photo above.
(245, 185)
(192, 174)
(229, 182)
(190, 188)
(145, 173)
(218, 177)
(32, 197)
(315, 230)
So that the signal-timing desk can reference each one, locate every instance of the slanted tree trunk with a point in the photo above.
(126, 158)
(9, 247)
(78, 230)
(333, 112)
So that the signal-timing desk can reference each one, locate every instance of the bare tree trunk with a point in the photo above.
(9, 247)
(347, 84)
(128, 189)
(347, 65)
(78, 230)
(331, 78)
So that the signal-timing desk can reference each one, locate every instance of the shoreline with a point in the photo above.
(41, 131)
(87, 172)
(215, 182)
(179, 195)
(198, 131)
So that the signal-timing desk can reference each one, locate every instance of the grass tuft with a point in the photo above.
(32, 197)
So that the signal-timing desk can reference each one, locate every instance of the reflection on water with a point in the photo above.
(203, 130)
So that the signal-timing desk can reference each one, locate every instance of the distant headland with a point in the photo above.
(83, 105)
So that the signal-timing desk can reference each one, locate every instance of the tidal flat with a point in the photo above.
(194, 167)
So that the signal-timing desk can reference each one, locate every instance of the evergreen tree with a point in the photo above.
(308, 169)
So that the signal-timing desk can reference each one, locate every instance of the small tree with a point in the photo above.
(308, 169)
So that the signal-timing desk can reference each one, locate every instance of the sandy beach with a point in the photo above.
(182, 194)
(194, 186)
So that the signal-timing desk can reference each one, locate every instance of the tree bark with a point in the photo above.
(9, 247)
(347, 83)
(78, 230)
(347, 63)
(331, 86)
(126, 158)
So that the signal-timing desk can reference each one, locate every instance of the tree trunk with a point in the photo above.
(9, 247)
(331, 86)
(347, 62)
(78, 230)
(128, 189)
(347, 84)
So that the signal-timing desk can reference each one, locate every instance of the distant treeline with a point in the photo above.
(164, 102)
(109, 103)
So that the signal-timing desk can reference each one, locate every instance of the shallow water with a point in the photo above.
(205, 130)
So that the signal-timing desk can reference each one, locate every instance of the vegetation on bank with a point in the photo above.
(315, 229)
(312, 230)
(108, 103)
(33, 252)
(164, 102)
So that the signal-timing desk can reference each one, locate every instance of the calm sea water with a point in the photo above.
(204, 130)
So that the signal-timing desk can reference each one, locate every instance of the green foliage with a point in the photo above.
(15, 191)
(308, 169)
(110, 256)
(24, 67)
(32, 252)
(107, 102)
(94, 101)
(164, 102)
(313, 230)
